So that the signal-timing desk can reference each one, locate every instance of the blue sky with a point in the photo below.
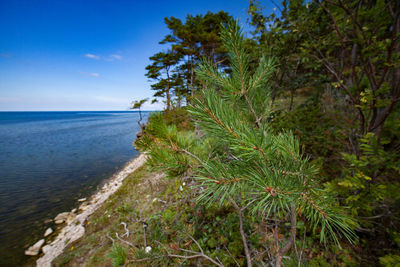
(86, 55)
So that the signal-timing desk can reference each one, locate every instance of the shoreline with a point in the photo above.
(74, 227)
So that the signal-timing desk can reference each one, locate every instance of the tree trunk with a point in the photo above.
(167, 90)
(191, 76)
(140, 120)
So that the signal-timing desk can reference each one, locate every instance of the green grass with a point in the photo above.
(117, 255)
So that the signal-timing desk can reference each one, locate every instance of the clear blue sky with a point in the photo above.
(86, 55)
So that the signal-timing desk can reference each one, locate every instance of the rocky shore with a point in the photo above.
(76, 219)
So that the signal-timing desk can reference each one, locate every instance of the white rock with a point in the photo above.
(34, 250)
(82, 199)
(59, 221)
(74, 210)
(71, 217)
(45, 249)
(63, 216)
(84, 206)
(48, 232)
(147, 249)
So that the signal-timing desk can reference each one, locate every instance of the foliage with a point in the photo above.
(117, 255)
(367, 180)
(369, 185)
(338, 44)
(268, 172)
(390, 260)
(165, 144)
(255, 168)
(322, 135)
(350, 61)
(178, 117)
(161, 71)
(173, 70)
(137, 104)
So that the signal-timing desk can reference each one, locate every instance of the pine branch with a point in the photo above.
(207, 70)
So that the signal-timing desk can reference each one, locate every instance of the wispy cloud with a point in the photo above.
(111, 57)
(92, 56)
(115, 56)
(91, 74)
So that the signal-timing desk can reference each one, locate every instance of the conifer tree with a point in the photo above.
(262, 172)
(258, 173)
(195, 37)
(161, 71)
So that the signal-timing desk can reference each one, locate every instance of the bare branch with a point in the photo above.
(109, 237)
(195, 253)
(292, 238)
(124, 241)
(192, 155)
(126, 230)
(242, 233)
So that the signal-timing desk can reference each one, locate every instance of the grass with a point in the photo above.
(117, 255)
(125, 205)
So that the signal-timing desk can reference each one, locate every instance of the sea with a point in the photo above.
(49, 160)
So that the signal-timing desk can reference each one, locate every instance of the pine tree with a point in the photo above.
(261, 172)
(195, 37)
(258, 173)
(161, 71)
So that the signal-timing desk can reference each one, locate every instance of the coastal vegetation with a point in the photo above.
(282, 148)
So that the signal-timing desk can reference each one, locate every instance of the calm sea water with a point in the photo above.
(48, 160)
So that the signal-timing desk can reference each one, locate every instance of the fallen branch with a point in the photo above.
(112, 239)
(124, 241)
(126, 230)
(195, 253)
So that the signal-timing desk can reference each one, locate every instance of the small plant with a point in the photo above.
(117, 255)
